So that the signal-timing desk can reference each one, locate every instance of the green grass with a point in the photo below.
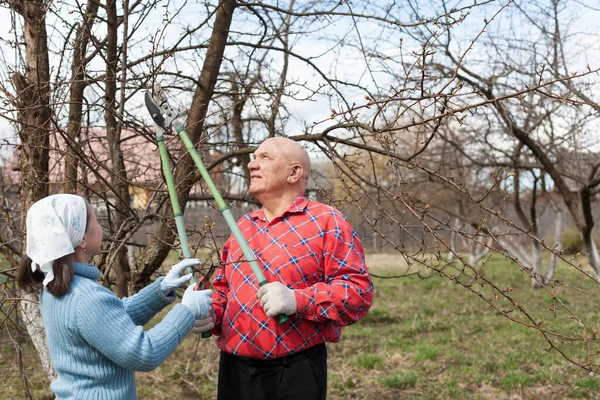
(425, 352)
(431, 339)
(588, 383)
(401, 380)
(515, 380)
(369, 361)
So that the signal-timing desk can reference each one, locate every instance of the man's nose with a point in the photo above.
(252, 165)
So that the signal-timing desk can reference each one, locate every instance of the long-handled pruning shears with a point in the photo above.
(165, 119)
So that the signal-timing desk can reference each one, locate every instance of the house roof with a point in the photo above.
(140, 154)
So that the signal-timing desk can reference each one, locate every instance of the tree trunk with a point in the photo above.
(475, 257)
(587, 229)
(119, 180)
(451, 254)
(591, 251)
(517, 251)
(76, 96)
(453, 229)
(33, 115)
(558, 230)
(239, 100)
(536, 260)
(32, 318)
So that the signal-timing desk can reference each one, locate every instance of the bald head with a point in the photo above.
(293, 152)
(279, 173)
(279, 170)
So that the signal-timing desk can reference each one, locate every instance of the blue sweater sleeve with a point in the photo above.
(106, 326)
(144, 305)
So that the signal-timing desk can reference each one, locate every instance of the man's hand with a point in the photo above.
(275, 298)
(204, 324)
(174, 279)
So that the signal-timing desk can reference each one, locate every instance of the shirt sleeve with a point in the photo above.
(346, 294)
(105, 324)
(220, 290)
(144, 305)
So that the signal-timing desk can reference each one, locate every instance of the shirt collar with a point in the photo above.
(298, 206)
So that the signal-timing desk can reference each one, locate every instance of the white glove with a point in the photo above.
(174, 279)
(276, 298)
(205, 324)
(198, 301)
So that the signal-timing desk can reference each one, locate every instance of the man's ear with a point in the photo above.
(295, 173)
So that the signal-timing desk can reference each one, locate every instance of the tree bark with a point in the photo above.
(119, 180)
(239, 100)
(536, 261)
(591, 249)
(475, 257)
(558, 230)
(78, 85)
(34, 119)
(32, 318)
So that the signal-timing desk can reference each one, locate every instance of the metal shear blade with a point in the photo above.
(204, 280)
(158, 107)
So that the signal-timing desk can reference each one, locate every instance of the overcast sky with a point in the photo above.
(307, 112)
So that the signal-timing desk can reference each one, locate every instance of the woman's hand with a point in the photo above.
(199, 302)
(174, 279)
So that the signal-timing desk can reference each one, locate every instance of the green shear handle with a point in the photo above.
(165, 119)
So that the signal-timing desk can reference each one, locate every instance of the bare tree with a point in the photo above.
(433, 137)
(34, 119)
(534, 122)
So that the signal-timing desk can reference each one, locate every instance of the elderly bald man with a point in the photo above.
(315, 264)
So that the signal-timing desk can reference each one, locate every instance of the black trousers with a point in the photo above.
(301, 376)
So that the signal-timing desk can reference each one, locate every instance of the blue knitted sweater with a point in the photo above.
(97, 340)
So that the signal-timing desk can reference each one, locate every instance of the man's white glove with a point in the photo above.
(198, 301)
(174, 279)
(276, 298)
(204, 324)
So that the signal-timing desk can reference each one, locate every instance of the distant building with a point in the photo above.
(144, 174)
(141, 158)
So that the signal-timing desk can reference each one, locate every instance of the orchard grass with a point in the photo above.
(427, 338)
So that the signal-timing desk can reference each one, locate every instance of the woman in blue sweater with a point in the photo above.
(97, 340)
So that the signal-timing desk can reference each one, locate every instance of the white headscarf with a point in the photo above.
(55, 226)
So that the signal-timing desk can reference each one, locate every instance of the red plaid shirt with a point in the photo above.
(313, 250)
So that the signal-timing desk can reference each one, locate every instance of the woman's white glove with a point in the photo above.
(174, 279)
(198, 301)
(276, 298)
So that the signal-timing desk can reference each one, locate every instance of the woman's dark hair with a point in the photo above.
(32, 282)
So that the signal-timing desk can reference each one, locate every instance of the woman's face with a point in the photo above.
(93, 233)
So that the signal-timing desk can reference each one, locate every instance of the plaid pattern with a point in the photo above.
(312, 249)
